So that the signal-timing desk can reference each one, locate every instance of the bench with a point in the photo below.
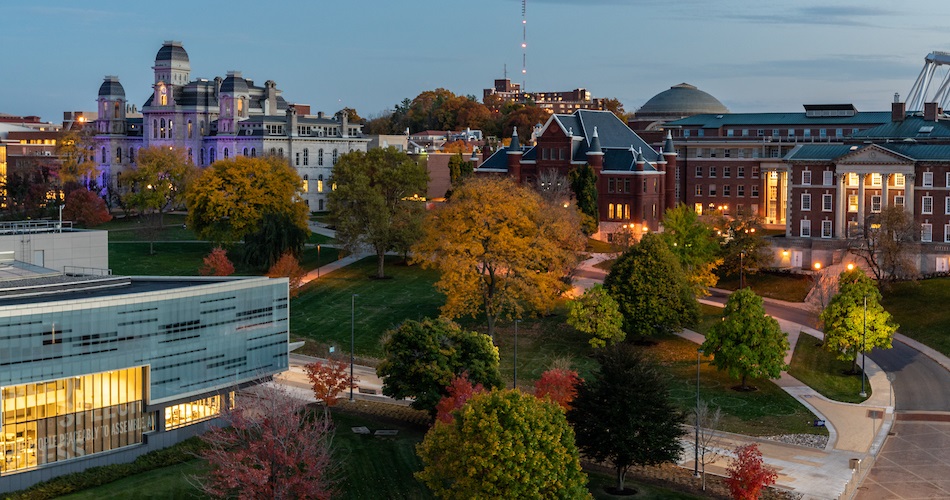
(364, 390)
(361, 430)
(386, 433)
(819, 422)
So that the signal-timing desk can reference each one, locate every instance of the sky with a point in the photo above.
(753, 56)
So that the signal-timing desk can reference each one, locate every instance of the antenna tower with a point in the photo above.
(524, 44)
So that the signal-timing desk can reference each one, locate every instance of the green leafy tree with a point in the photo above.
(652, 290)
(624, 414)
(597, 314)
(584, 184)
(747, 342)
(742, 242)
(156, 184)
(277, 234)
(230, 198)
(501, 251)
(503, 444)
(422, 358)
(374, 194)
(844, 319)
(693, 242)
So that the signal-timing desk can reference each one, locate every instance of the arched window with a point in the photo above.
(201, 155)
(610, 211)
(131, 155)
(190, 158)
(306, 157)
(273, 151)
(245, 151)
(253, 152)
(202, 129)
(306, 184)
(154, 129)
(320, 183)
(225, 153)
(240, 107)
(211, 155)
(334, 157)
(320, 157)
(191, 129)
(118, 155)
(103, 154)
(280, 152)
(118, 109)
(162, 134)
(170, 123)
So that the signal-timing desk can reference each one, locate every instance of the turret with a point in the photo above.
(669, 156)
(514, 156)
(595, 155)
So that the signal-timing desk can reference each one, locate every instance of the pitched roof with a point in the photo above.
(780, 119)
(832, 152)
(912, 127)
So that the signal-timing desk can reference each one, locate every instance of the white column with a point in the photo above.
(885, 178)
(909, 180)
(841, 216)
(861, 179)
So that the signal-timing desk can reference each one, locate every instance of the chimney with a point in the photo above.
(930, 111)
(898, 111)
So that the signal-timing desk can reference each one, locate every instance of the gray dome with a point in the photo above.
(111, 88)
(234, 83)
(171, 52)
(681, 100)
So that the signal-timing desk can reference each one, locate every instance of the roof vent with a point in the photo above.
(854, 148)
(719, 116)
(926, 129)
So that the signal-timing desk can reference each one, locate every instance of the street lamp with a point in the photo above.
(699, 352)
(516, 353)
(741, 269)
(352, 338)
(318, 261)
(864, 346)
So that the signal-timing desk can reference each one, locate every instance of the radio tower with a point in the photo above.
(524, 44)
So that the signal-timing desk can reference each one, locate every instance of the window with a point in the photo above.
(745, 133)
(162, 129)
(806, 202)
(103, 154)
(700, 133)
(740, 172)
(899, 201)
(320, 183)
(190, 156)
(827, 202)
(610, 211)
(253, 152)
(699, 172)
(928, 179)
(826, 229)
(226, 155)
(775, 132)
(712, 172)
(727, 172)
(899, 180)
(876, 180)
(320, 157)
(755, 172)
(699, 190)
(306, 157)
(926, 232)
(201, 155)
(805, 231)
(244, 153)
(726, 190)
(611, 185)
(280, 152)
(760, 133)
(755, 191)
(806, 177)
(740, 190)
(823, 133)
(876, 204)
(297, 159)
(626, 211)
(927, 205)
(853, 203)
(211, 155)
(335, 154)
(827, 177)
(191, 131)
(712, 190)
(306, 184)
(839, 133)
(118, 155)
(727, 153)
(946, 205)
(730, 133)
(946, 233)
(154, 129)
(700, 152)
(686, 134)
(791, 132)
(852, 179)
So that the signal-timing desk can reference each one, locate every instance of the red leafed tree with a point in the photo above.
(328, 379)
(288, 267)
(558, 384)
(460, 391)
(748, 474)
(271, 449)
(86, 208)
(216, 263)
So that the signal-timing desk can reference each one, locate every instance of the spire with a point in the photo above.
(595, 143)
(640, 160)
(515, 146)
(668, 144)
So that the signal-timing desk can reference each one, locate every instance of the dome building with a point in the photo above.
(679, 101)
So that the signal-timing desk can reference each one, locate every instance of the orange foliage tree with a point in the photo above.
(328, 379)
(460, 391)
(288, 267)
(86, 208)
(216, 263)
(748, 474)
(559, 385)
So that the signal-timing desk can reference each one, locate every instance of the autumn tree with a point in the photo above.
(694, 244)
(851, 328)
(584, 185)
(748, 474)
(459, 170)
(276, 234)
(501, 251)
(651, 289)
(421, 358)
(597, 314)
(76, 167)
(747, 342)
(624, 416)
(616, 107)
(884, 242)
(86, 208)
(525, 118)
(217, 263)
(559, 385)
(157, 181)
(230, 198)
(271, 448)
(457, 394)
(327, 380)
(288, 267)
(503, 444)
(375, 191)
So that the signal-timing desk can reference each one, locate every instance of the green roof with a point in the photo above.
(767, 120)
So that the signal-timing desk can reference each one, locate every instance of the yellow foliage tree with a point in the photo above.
(501, 250)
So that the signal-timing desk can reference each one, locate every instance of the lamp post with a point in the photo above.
(699, 353)
(741, 269)
(516, 353)
(318, 261)
(352, 338)
(864, 346)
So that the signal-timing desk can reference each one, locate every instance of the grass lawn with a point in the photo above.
(597, 481)
(822, 371)
(914, 307)
(167, 482)
(781, 286)
(597, 246)
(321, 313)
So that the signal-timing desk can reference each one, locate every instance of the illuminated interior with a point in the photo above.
(71, 417)
(195, 411)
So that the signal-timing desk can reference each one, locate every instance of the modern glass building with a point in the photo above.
(97, 370)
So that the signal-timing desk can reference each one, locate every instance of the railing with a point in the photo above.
(86, 271)
(34, 226)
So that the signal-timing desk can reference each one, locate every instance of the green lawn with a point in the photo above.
(171, 482)
(915, 307)
(822, 371)
(781, 286)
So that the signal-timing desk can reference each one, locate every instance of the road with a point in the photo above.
(919, 382)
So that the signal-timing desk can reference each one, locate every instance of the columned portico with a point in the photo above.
(909, 180)
(861, 178)
(841, 207)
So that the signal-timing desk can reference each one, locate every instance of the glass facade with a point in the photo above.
(72, 417)
(196, 411)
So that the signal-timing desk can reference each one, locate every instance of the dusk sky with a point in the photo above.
(370, 54)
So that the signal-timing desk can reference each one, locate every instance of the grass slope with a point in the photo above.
(822, 371)
(915, 307)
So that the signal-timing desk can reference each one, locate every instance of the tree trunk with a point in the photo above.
(380, 260)
(744, 387)
(621, 473)
(491, 326)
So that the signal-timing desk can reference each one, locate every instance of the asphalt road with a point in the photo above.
(919, 382)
